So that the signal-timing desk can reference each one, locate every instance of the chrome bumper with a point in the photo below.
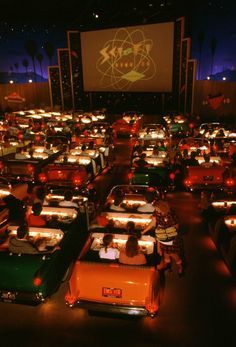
(109, 308)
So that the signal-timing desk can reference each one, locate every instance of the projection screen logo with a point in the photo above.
(125, 60)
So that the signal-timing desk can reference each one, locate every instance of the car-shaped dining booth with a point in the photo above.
(98, 285)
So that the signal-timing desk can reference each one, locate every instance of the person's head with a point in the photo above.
(193, 155)
(65, 158)
(68, 195)
(19, 150)
(83, 147)
(162, 207)
(107, 241)
(149, 196)
(31, 152)
(155, 150)
(132, 246)
(139, 150)
(22, 231)
(40, 193)
(232, 209)
(118, 200)
(130, 226)
(185, 152)
(206, 158)
(37, 208)
(91, 145)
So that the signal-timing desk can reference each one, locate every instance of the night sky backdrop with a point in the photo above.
(211, 24)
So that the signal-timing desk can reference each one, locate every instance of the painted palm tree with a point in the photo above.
(201, 40)
(25, 63)
(39, 57)
(213, 45)
(31, 49)
(49, 50)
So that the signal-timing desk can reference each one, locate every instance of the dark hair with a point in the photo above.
(206, 158)
(40, 193)
(37, 208)
(31, 152)
(68, 195)
(90, 145)
(118, 200)
(107, 239)
(149, 196)
(22, 231)
(83, 147)
(232, 209)
(132, 247)
(130, 226)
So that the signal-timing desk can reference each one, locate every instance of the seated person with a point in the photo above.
(131, 255)
(155, 152)
(192, 161)
(116, 204)
(108, 251)
(34, 219)
(141, 162)
(67, 202)
(207, 162)
(148, 207)
(48, 149)
(20, 154)
(130, 229)
(16, 208)
(21, 244)
(83, 150)
(65, 158)
(161, 146)
(138, 151)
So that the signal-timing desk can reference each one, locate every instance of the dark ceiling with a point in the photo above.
(110, 12)
(96, 14)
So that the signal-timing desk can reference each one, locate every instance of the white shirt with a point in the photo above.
(111, 253)
(148, 207)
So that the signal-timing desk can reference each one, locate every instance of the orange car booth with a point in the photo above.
(108, 286)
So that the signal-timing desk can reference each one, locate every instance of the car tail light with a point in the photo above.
(130, 175)
(30, 168)
(188, 182)
(42, 177)
(77, 180)
(152, 308)
(230, 182)
(37, 281)
(172, 176)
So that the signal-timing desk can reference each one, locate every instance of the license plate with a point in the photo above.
(208, 178)
(112, 292)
